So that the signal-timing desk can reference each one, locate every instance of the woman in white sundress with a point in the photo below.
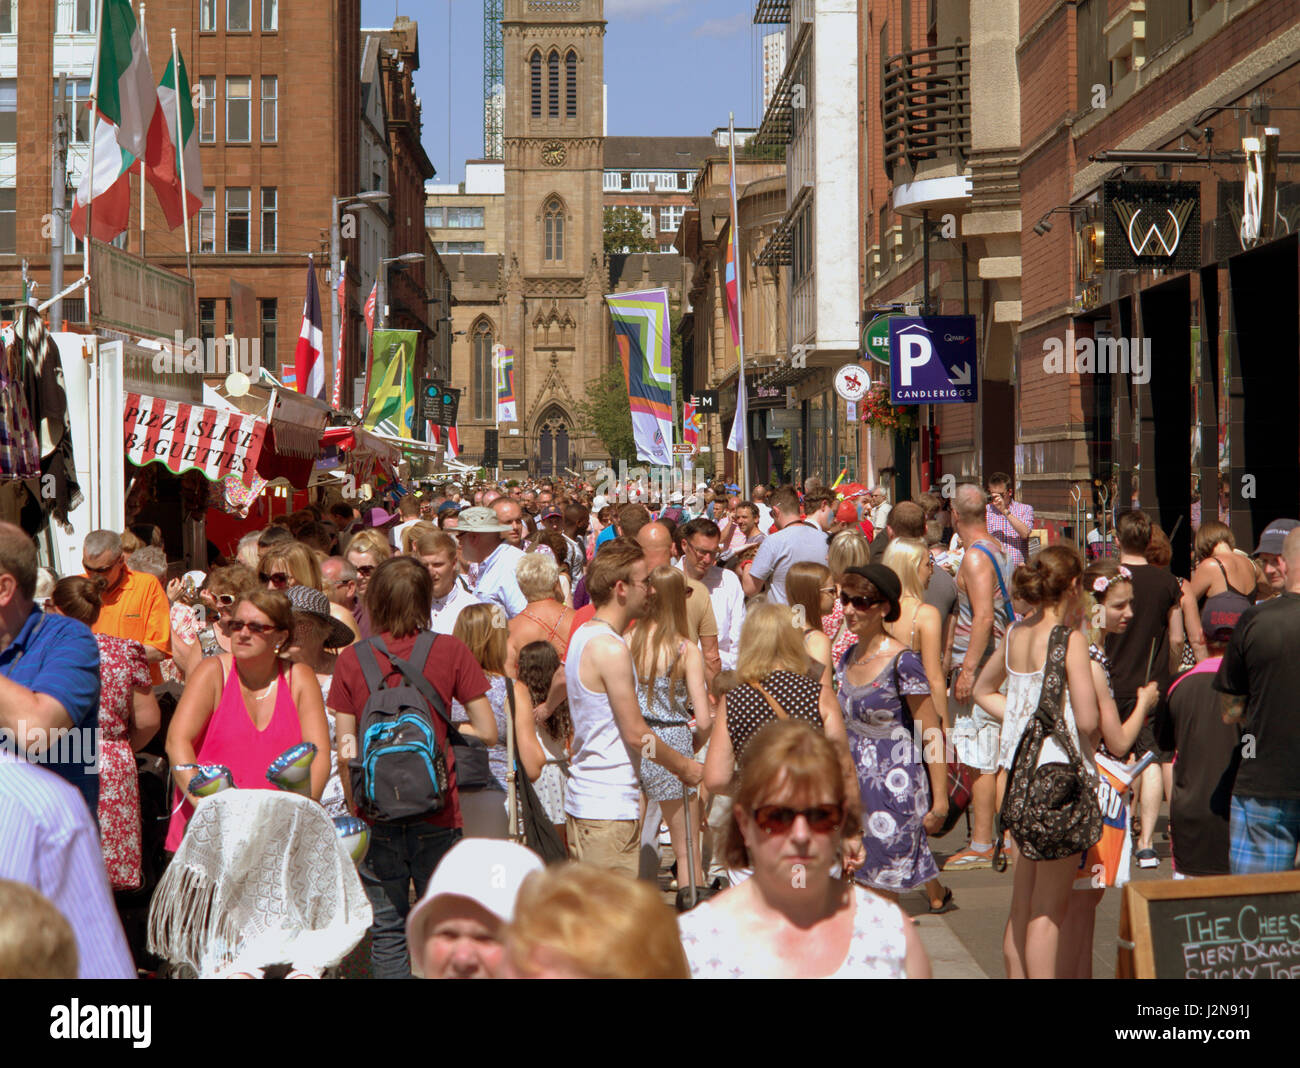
(1051, 585)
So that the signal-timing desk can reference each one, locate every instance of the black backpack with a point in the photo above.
(401, 772)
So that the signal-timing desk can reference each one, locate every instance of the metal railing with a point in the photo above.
(925, 97)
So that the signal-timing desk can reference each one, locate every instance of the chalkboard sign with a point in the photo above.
(1223, 927)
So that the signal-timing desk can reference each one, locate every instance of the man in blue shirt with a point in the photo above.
(49, 676)
(491, 560)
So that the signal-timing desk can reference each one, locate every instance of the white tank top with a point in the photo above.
(604, 782)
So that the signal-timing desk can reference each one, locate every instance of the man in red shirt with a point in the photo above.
(400, 597)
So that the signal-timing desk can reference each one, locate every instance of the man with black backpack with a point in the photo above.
(391, 695)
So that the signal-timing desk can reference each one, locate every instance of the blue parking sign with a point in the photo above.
(933, 360)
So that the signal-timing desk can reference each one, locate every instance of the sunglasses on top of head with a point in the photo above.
(778, 819)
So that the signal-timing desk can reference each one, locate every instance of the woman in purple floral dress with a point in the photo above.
(884, 697)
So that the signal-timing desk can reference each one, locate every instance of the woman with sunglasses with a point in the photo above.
(902, 776)
(670, 678)
(1051, 584)
(244, 709)
(291, 563)
(797, 917)
(847, 549)
(202, 636)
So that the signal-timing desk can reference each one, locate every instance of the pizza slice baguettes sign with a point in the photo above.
(183, 436)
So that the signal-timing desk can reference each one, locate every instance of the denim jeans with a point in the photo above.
(399, 855)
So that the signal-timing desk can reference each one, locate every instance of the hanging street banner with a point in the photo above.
(390, 404)
(505, 370)
(933, 360)
(641, 326)
(182, 436)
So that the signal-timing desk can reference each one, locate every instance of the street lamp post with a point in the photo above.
(405, 257)
(370, 199)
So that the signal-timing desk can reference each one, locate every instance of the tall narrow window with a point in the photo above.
(553, 227)
(571, 85)
(207, 319)
(85, 17)
(239, 15)
(270, 202)
(481, 372)
(208, 108)
(208, 15)
(8, 24)
(270, 107)
(553, 86)
(238, 210)
(239, 118)
(208, 221)
(535, 73)
(9, 220)
(270, 15)
(8, 110)
(268, 334)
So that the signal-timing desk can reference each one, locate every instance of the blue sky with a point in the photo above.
(672, 67)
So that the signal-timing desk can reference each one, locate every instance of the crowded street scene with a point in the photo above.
(537, 537)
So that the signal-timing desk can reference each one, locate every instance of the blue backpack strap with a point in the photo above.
(1006, 597)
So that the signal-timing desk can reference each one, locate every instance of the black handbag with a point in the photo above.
(1051, 809)
(536, 829)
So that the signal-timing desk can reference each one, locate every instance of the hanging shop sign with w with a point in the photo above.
(1151, 224)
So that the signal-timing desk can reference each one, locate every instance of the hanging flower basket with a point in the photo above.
(879, 413)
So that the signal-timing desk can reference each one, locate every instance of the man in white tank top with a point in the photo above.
(610, 736)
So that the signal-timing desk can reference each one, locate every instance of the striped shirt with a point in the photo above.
(966, 614)
(1014, 544)
(49, 842)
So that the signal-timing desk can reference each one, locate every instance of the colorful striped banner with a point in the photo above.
(184, 436)
(641, 325)
(505, 371)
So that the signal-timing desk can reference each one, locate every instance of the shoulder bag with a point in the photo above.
(1051, 809)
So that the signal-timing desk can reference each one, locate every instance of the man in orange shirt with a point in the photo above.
(133, 604)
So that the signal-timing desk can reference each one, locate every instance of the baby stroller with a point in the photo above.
(261, 880)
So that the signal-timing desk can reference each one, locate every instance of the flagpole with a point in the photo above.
(180, 153)
(90, 173)
(496, 405)
(144, 36)
(740, 318)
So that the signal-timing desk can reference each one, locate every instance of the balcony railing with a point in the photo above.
(925, 97)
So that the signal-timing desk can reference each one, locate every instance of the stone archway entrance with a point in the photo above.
(552, 453)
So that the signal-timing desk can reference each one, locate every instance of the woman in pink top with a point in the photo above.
(244, 709)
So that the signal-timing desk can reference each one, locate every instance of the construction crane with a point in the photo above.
(494, 88)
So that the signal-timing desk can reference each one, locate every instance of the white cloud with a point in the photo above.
(727, 27)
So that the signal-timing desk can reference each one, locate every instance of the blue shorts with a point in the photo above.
(1263, 834)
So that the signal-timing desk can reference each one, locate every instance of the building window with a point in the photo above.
(270, 107)
(269, 202)
(481, 371)
(239, 113)
(670, 218)
(268, 334)
(553, 85)
(238, 220)
(239, 16)
(465, 218)
(9, 221)
(571, 85)
(453, 247)
(8, 111)
(433, 218)
(535, 74)
(647, 220)
(207, 319)
(640, 181)
(208, 221)
(270, 19)
(73, 16)
(554, 231)
(8, 23)
(613, 181)
(208, 15)
(208, 108)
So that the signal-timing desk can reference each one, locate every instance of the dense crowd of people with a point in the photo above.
(509, 698)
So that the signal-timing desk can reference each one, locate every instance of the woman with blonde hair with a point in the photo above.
(291, 563)
(799, 916)
(669, 671)
(547, 618)
(918, 625)
(847, 549)
(773, 684)
(483, 803)
(577, 921)
(811, 591)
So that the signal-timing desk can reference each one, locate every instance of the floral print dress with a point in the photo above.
(891, 773)
(122, 669)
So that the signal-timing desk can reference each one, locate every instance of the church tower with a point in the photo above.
(554, 278)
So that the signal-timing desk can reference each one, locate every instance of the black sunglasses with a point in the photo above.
(860, 603)
(278, 579)
(103, 570)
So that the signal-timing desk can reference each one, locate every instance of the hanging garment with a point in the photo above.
(58, 492)
(20, 455)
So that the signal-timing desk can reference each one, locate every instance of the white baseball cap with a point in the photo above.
(487, 871)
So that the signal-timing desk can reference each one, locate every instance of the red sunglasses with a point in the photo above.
(778, 819)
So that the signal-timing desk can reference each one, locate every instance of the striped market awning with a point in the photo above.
(182, 436)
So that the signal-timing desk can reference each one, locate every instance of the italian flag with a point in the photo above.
(108, 186)
(124, 90)
(174, 137)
